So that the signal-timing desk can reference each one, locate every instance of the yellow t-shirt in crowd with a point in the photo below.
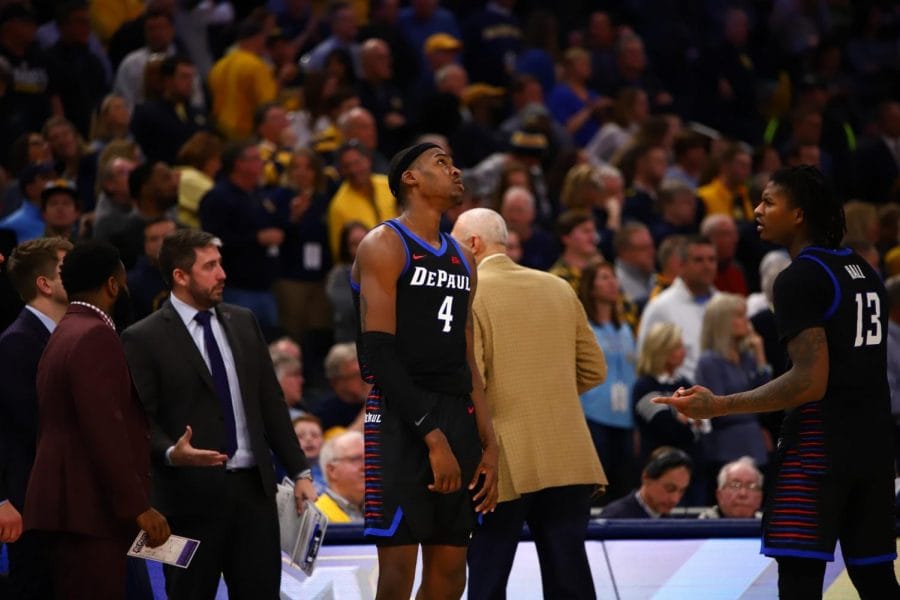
(239, 83)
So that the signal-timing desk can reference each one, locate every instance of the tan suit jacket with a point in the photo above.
(536, 353)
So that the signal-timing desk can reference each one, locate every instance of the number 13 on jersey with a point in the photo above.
(868, 324)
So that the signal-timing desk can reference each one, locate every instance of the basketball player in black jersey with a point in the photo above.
(835, 465)
(431, 455)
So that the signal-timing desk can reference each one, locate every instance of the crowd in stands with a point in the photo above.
(625, 147)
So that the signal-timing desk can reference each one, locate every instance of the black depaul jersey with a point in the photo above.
(837, 290)
(432, 311)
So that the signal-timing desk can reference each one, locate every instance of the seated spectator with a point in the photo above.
(539, 249)
(73, 160)
(631, 108)
(722, 231)
(198, 162)
(659, 425)
(337, 287)
(236, 212)
(26, 222)
(607, 407)
(345, 405)
(732, 360)
(241, 81)
(739, 492)
(305, 256)
(647, 164)
(344, 27)
(146, 287)
(727, 194)
(289, 372)
(690, 149)
(59, 209)
(583, 189)
(342, 459)
(635, 261)
(363, 196)
(684, 302)
(273, 127)
(670, 257)
(664, 480)
(114, 202)
(113, 119)
(159, 35)
(678, 207)
(161, 125)
(359, 124)
(578, 234)
(309, 433)
(573, 105)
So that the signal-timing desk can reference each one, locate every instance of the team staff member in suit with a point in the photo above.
(536, 353)
(89, 490)
(216, 410)
(33, 270)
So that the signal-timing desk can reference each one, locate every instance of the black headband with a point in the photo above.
(401, 161)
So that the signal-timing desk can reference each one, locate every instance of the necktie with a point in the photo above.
(220, 380)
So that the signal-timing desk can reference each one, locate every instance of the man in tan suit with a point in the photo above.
(536, 354)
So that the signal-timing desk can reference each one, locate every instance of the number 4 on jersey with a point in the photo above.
(872, 330)
(445, 313)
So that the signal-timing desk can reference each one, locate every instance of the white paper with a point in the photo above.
(177, 551)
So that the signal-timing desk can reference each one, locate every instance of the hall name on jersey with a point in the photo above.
(439, 279)
(855, 271)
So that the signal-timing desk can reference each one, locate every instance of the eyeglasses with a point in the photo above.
(737, 485)
(351, 459)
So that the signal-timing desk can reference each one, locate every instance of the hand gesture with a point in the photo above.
(185, 455)
(696, 402)
(270, 236)
(447, 477)
(155, 525)
(10, 523)
(304, 490)
(487, 494)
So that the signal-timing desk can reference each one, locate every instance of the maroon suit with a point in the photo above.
(91, 474)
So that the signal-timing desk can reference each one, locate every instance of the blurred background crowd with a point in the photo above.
(624, 142)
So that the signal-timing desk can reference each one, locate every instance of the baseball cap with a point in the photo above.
(441, 41)
(481, 91)
(528, 143)
(59, 185)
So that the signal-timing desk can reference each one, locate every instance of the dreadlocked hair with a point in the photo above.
(823, 212)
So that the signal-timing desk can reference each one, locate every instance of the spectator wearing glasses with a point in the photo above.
(739, 493)
(664, 480)
(342, 461)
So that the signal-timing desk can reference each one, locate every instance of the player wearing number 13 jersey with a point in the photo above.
(835, 461)
(431, 455)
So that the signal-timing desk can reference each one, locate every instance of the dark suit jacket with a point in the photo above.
(177, 390)
(91, 474)
(626, 507)
(21, 346)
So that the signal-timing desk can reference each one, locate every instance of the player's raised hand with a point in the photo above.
(696, 402)
(486, 496)
(444, 466)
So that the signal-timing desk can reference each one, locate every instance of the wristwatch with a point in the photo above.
(304, 474)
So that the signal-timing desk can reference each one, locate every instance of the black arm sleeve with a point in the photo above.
(412, 404)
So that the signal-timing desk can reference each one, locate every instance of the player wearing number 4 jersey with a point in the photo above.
(835, 461)
(431, 456)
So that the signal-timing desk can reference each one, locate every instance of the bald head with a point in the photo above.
(483, 231)
(359, 124)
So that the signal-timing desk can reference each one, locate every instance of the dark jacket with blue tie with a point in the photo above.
(177, 389)
(21, 346)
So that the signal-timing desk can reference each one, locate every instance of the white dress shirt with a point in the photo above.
(243, 457)
(49, 323)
